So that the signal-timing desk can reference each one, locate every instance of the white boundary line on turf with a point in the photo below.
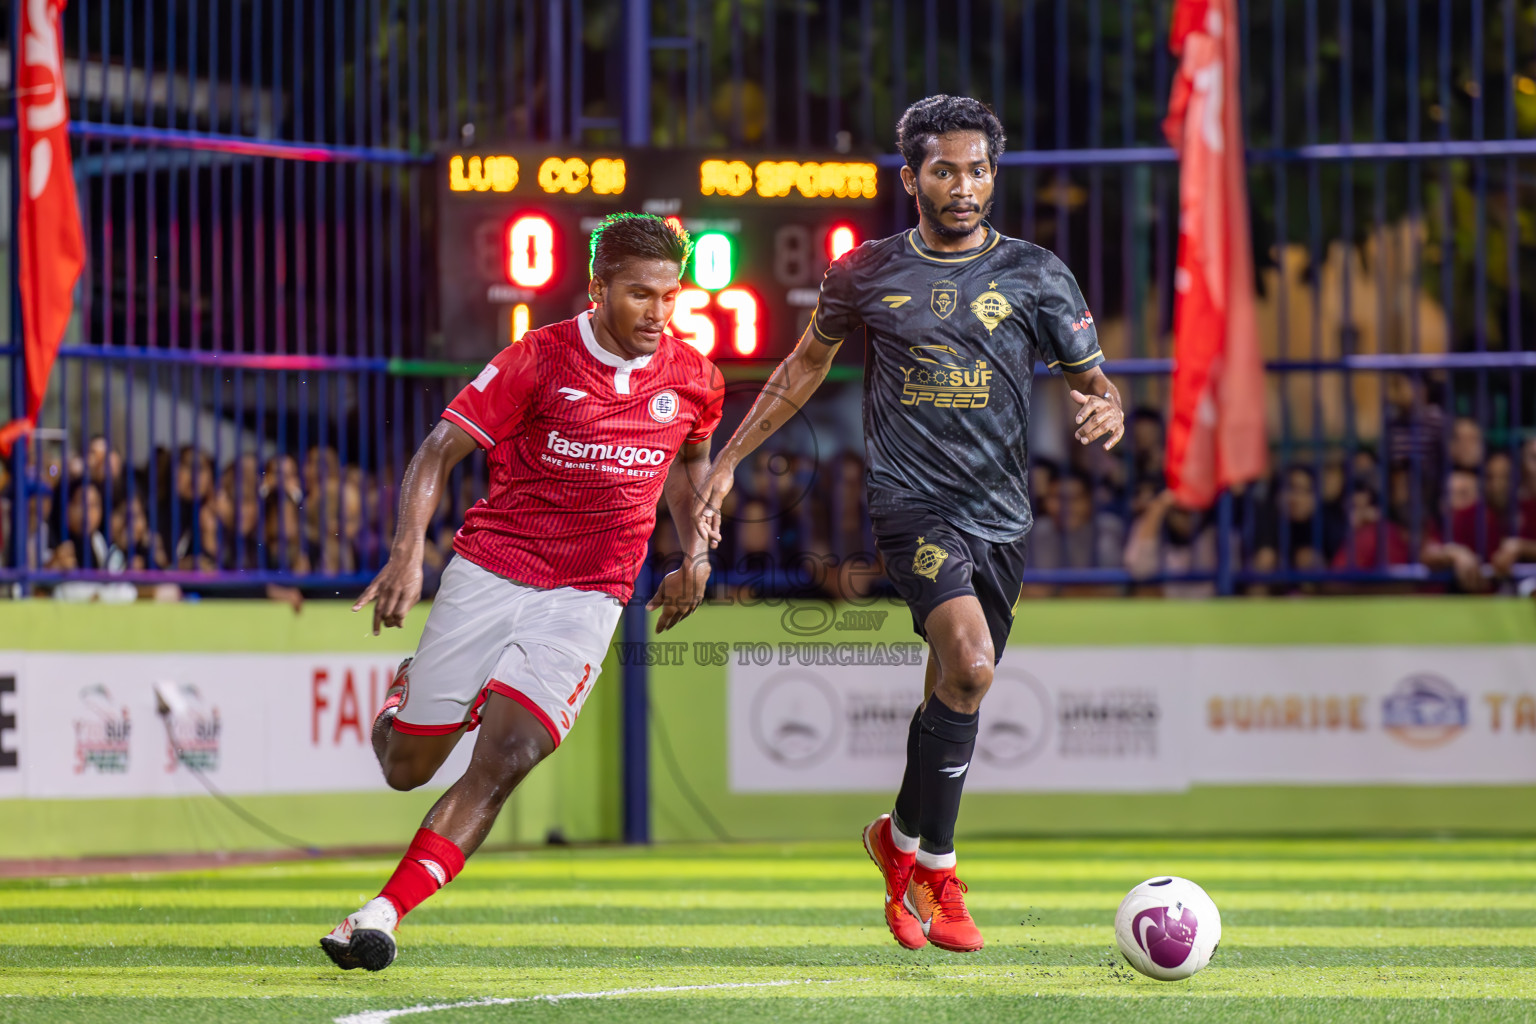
(383, 1016)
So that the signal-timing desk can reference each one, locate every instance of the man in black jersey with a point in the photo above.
(955, 315)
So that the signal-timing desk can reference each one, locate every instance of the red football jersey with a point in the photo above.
(580, 443)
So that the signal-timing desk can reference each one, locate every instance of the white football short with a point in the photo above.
(486, 634)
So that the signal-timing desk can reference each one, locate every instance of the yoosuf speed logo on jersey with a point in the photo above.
(991, 308)
(938, 355)
(663, 406)
(946, 382)
(624, 455)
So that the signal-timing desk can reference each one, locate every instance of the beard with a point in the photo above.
(930, 213)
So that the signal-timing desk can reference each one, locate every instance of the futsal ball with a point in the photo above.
(1167, 928)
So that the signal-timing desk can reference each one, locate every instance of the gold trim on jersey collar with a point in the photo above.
(996, 237)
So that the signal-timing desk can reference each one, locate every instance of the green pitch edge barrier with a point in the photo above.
(733, 371)
(577, 791)
(689, 703)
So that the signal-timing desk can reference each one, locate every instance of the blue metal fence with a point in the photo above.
(255, 178)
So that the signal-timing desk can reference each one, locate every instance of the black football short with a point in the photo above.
(930, 562)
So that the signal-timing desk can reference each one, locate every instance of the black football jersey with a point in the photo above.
(951, 341)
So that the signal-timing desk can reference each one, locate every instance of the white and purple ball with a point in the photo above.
(1167, 928)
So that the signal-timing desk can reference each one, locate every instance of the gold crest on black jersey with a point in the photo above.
(946, 296)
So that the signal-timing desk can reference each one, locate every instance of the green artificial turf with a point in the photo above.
(1313, 930)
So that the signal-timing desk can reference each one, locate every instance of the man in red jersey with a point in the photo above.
(582, 421)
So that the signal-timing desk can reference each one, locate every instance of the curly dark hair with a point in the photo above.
(625, 236)
(929, 118)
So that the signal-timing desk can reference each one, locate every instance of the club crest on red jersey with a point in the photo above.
(664, 406)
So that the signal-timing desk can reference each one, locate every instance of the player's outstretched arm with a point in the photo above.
(1099, 409)
(682, 589)
(397, 587)
(792, 384)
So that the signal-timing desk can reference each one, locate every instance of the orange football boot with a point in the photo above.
(936, 898)
(896, 867)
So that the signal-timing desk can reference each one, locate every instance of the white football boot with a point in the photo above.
(365, 939)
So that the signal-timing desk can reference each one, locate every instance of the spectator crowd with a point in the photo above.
(253, 524)
(1428, 508)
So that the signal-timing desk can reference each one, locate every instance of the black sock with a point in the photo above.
(948, 738)
(909, 798)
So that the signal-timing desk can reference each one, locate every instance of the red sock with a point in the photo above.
(430, 863)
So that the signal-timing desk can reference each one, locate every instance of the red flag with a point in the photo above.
(52, 247)
(1216, 434)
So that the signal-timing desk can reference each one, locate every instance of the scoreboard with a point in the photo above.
(514, 230)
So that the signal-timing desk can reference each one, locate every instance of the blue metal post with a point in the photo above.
(637, 73)
(18, 360)
(636, 715)
(1224, 569)
(636, 783)
(555, 80)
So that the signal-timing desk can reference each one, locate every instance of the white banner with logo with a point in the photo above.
(89, 725)
(1364, 714)
(1157, 718)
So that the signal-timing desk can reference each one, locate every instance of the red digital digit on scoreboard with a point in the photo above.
(530, 251)
(840, 240)
(515, 229)
(690, 323)
(742, 306)
(695, 317)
